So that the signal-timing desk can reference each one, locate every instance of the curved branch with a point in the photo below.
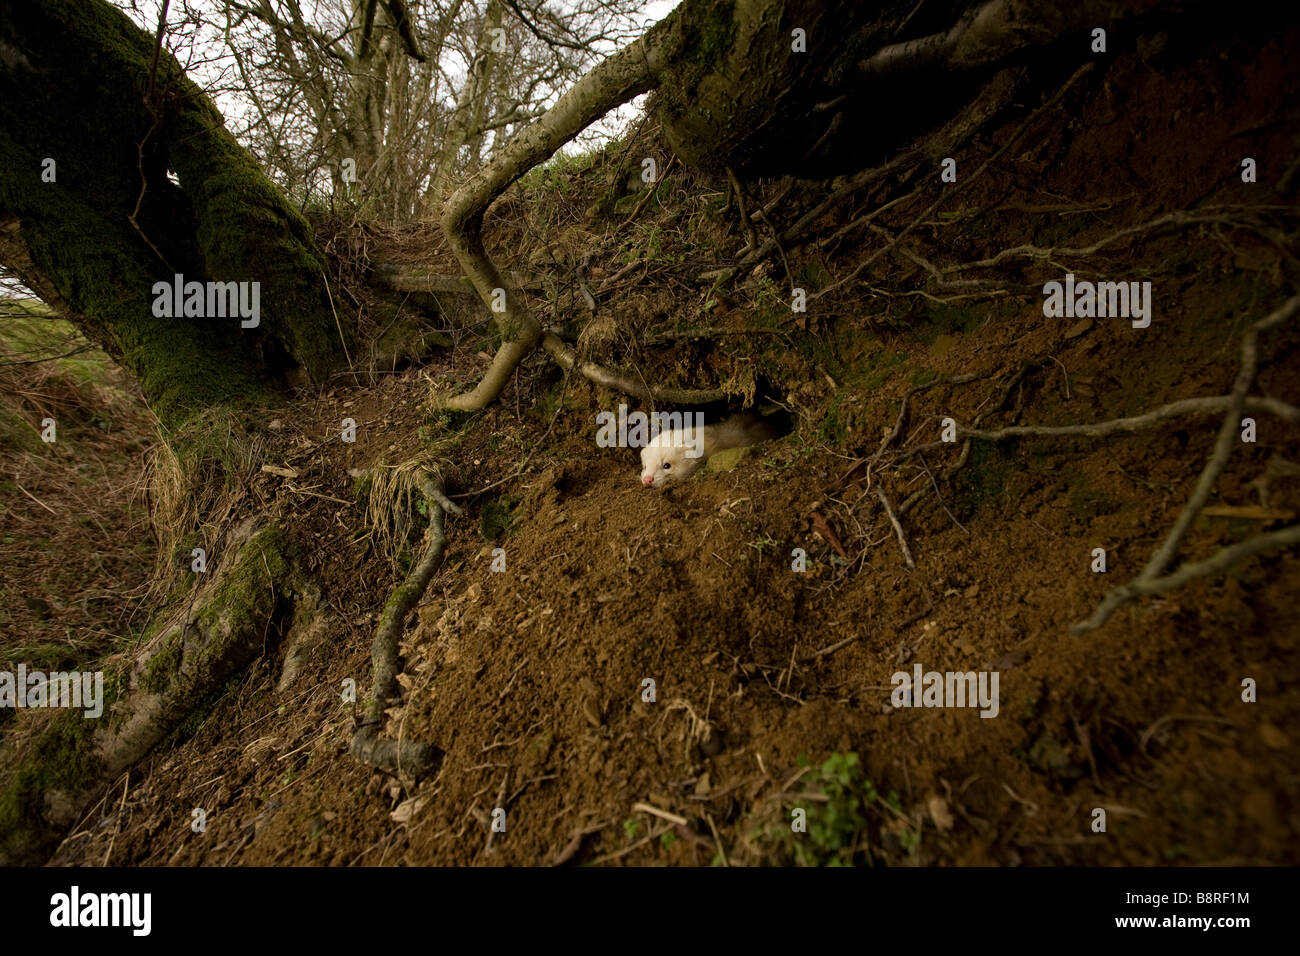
(995, 30)
(1187, 407)
(1228, 431)
(1220, 561)
(611, 83)
(1149, 579)
(567, 358)
(410, 757)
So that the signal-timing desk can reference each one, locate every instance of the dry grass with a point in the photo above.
(394, 502)
(193, 481)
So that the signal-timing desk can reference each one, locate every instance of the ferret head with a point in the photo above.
(664, 461)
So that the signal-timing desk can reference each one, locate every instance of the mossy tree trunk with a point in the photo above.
(83, 87)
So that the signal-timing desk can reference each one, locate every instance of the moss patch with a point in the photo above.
(63, 759)
(983, 480)
(497, 517)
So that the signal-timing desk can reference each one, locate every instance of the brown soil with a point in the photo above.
(532, 680)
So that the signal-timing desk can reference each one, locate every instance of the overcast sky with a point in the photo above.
(209, 65)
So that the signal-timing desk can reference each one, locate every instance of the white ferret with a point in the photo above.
(673, 456)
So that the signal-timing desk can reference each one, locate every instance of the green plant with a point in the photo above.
(497, 517)
(835, 826)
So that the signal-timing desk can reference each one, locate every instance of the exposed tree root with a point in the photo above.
(995, 30)
(990, 100)
(183, 666)
(1179, 218)
(898, 528)
(1187, 408)
(1024, 127)
(568, 359)
(409, 758)
(1152, 579)
(611, 83)
(1149, 581)
(1223, 559)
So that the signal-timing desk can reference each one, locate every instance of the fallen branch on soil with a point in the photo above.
(898, 528)
(402, 756)
(1149, 580)
(568, 359)
(1144, 585)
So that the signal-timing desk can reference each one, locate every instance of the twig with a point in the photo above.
(337, 324)
(499, 805)
(1220, 561)
(1149, 580)
(654, 188)
(750, 233)
(898, 528)
(942, 503)
(1227, 436)
(34, 498)
(567, 358)
(722, 851)
(661, 814)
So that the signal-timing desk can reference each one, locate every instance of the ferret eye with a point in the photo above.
(667, 465)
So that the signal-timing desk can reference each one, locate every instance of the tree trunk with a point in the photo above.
(93, 116)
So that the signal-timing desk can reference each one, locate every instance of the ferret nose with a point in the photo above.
(647, 479)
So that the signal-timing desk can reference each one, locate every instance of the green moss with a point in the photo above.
(832, 428)
(199, 716)
(43, 656)
(814, 275)
(63, 759)
(161, 669)
(407, 338)
(1087, 503)
(225, 221)
(361, 491)
(940, 319)
(709, 34)
(874, 372)
(247, 595)
(983, 480)
(236, 619)
(497, 517)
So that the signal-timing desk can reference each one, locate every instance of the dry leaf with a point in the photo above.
(823, 530)
(407, 809)
(281, 471)
(940, 813)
